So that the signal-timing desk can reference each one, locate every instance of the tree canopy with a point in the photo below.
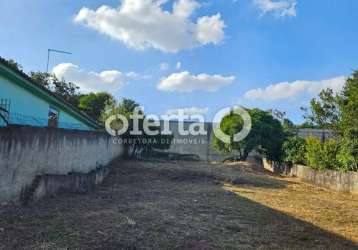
(66, 90)
(266, 136)
(94, 104)
(339, 112)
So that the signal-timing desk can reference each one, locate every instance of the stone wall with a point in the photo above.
(26, 153)
(335, 180)
(276, 167)
(339, 181)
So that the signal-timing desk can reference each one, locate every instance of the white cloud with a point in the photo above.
(281, 8)
(294, 90)
(89, 81)
(210, 29)
(188, 111)
(142, 24)
(184, 8)
(186, 82)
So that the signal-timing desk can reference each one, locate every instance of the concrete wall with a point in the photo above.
(335, 180)
(339, 181)
(276, 167)
(200, 145)
(323, 134)
(29, 152)
(47, 185)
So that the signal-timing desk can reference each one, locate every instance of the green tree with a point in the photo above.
(66, 90)
(348, 103)
(94, 104)
(339, 112)
(62, 88)
(231, 125)
(324, 112)
(322, 155)
(127, 106)
(266, 136)
(295, 149)
(13, 64)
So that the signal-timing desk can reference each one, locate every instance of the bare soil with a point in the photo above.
(190, 206)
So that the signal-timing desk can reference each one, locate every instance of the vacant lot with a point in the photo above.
(187, 206)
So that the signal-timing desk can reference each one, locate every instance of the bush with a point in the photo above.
(295, 150)
(322, 156)
(330, 151)
(314, 153)
(345, 157)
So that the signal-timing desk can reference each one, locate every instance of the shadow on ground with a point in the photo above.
(163, 206)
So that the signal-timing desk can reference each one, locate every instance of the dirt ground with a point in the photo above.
(152, 205)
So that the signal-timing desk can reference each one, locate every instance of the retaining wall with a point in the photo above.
(339, 181)
(335, 180)
(28, 154)
(276, 167)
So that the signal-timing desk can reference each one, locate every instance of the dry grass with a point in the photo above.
(333, 211)
(187, 206)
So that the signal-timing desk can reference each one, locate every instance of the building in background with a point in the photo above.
(24, 102)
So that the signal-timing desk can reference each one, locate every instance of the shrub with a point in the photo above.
(330, 151)
(322, 155)
(345, 157)
(314, 153)
(339, 113)
(295, 150)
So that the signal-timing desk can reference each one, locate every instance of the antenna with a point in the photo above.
(55, 51)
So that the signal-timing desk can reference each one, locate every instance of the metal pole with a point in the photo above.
(48, 59)
(56, 51)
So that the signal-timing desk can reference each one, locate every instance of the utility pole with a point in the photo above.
(49, 51)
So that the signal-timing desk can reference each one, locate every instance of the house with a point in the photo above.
(24, 102)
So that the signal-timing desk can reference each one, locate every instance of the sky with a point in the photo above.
(200, 56)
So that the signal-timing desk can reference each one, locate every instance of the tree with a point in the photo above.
(66, 90)
(266, 136)
(295, 149)
(231, 125)
(278, 114)
(348, 104)
(339, 112)
(324, 112)
(41, 78)
(14, 64)
(94, 104)
(127, 106)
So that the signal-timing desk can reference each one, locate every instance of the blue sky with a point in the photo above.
(199, 55)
